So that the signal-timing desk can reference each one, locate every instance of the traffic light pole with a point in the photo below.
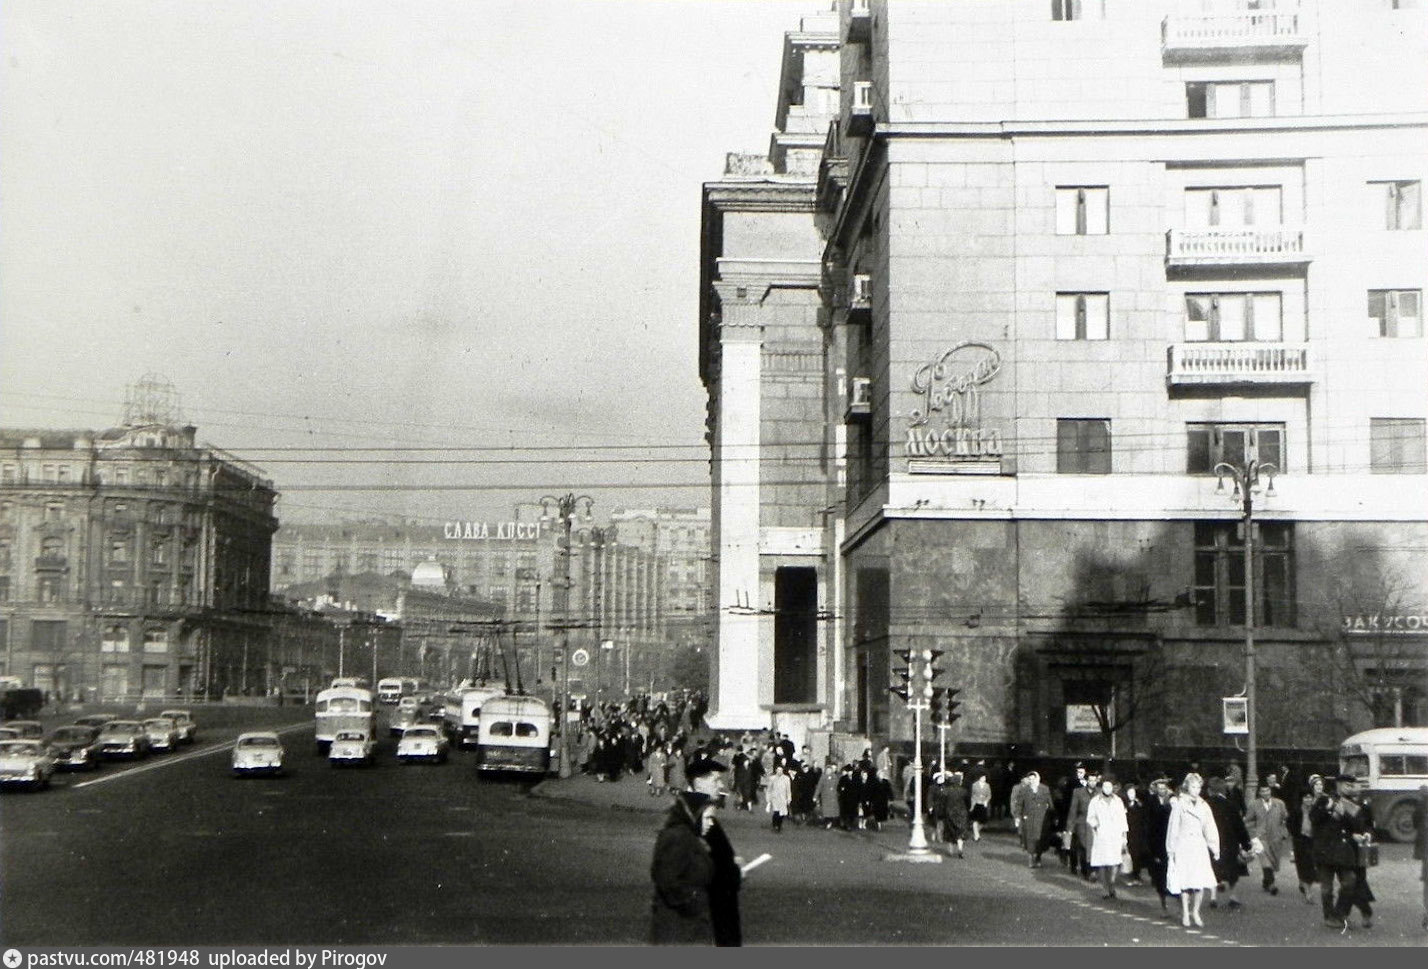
(918, 692)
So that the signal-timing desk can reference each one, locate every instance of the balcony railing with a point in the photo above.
(1238, 31)
(1209, 247)
(1238, 363)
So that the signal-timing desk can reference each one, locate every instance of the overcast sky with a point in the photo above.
(344, 224)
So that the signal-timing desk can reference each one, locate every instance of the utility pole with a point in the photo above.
(565, 506)
(1246, 484)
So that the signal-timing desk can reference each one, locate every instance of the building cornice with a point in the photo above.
(1153, 126)
(762, 193)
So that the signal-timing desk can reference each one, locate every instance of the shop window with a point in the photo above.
(1397, 445)
(1396, 312)
(1083, 316)
(1210, 444)
(1220, 574)
(1083, 446)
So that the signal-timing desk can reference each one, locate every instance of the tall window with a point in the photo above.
(1209, 444)
(1396, 312)
(1231, 317)
(1230, 99)
(1234, 207)
(115, 639)
(1396, 445)
(1220, 574)
(1077, 9)
(1083, 316)
(1402, 204)
(1083, 210)
(1083, 446)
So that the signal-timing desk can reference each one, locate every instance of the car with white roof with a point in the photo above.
(257, 752)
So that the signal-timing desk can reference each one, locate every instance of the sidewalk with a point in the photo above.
(629, 793)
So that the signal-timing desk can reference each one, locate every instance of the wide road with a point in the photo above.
(175, 851)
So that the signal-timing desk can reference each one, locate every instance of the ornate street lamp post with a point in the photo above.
(1246, 485)
(565, 507)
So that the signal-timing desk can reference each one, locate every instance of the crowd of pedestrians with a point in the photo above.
(1197, 838)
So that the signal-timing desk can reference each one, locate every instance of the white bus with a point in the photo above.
(514, 735)
(342, 708)
(390, 689)
(1392, 763)
(463, 713)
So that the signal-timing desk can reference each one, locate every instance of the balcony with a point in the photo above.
(1199, 364)
(1235, 247)
(860, 399)
(860, 20)
(860, 292)
(1268, 33)
(860, 122)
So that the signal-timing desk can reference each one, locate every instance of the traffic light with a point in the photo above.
(949, 707)
(904, 673)
(936, 709)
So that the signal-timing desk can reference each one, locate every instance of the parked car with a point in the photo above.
(26, 729)
(423, 742)
(123, 738)
(7, 734)
(183, 720)
(163, 735)
(95, 720)
(257, 752)
(73, 748)
(26, 762)
(352, 747)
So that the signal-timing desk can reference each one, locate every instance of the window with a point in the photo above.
(1402, 765)
(121, 476)
(118, 591)
(114, 640)
(156, 640)
(1083, 446)
(1077, 9)
(1209, 444)
(4, 589)
(7, 474)
(1397, 312)
(1396, 445)
(1235, 207)
(1220, 574)
(119, 551)
(48, 634)
(52, 548)
(1402, 204)
(54, 512)
(1232, 317)
(1232, 99)
(1083, 316)
(1083, 210)
(4, 554)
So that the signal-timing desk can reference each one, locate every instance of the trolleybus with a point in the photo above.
(342, 708)
(514, 735)
(1392, 764)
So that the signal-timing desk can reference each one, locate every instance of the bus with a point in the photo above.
(390, 689)
(514, 735)
(1391, 763)
(463, 713)
(342, 708)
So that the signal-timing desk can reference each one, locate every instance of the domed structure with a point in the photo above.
(432, 575)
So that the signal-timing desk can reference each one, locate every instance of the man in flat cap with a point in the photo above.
(1340, 825)
(695, 871)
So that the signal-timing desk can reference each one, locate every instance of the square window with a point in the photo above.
(1402, 204)
(1397, 445)
(1083, 446)
(1082, 316)
(1396, 312)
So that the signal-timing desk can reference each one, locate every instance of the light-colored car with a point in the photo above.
(73, 747)
(257, 752)
(352, 747)
(423, 742)
(25, 729)
(7, 734)
(95, 720)
(123, 738)
(26, 762)
(410, 711)
(183, 720)
(163, 735)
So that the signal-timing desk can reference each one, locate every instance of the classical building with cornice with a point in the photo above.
(1078, 264)
(762, 359)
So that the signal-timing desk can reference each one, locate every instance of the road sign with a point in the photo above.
(580, 657)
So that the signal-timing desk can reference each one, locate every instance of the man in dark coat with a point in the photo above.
(682, 871)
(1031, 810)
(705, 777)
(1340, 826)
(1234, 838)
(1157, 826)
(1136, 832)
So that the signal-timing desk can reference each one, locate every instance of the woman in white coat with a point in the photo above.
(1191, 840)
(779, 795)
(1106, 817)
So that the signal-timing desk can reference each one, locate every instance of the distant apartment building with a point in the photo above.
(1078, 257)
(681, 537)
(133, 561)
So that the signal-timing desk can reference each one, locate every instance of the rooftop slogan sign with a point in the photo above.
(498, 531)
